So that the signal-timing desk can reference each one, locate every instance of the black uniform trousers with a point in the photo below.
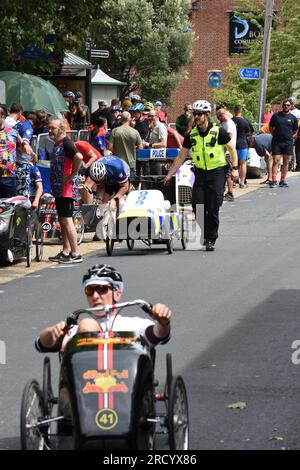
(208, 190)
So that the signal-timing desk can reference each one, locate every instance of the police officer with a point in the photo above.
(207, 142)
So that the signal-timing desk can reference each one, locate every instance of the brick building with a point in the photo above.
(212, 26)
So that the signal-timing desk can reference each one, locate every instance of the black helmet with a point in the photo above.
(69, 94)
(103, 274)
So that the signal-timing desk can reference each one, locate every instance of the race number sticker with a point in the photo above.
(158, 154)
(106, 419)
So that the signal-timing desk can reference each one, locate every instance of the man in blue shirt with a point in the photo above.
(111, 175)
(24, 159)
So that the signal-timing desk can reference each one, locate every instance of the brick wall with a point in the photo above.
(210, 51)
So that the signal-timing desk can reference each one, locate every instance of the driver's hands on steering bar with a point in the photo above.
(161, 313)
(52, 335)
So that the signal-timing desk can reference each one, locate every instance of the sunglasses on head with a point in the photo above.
(101, 290)
(199, 113)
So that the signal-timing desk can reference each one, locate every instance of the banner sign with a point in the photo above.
(242, 33)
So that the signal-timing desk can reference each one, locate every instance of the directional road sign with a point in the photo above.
(250, 74)
(100, 53)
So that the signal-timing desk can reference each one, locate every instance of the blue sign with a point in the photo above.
(215, 80)
(250, 74)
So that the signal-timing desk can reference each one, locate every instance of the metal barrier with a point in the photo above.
(83, 134)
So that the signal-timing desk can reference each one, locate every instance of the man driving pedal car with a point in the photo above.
(103, 285)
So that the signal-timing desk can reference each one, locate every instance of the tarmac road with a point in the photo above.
(236, 315)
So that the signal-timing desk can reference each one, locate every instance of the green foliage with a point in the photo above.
(284, 63)
(147, 39)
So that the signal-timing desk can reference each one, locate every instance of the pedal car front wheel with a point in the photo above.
(39, 243)
(109, 246)
(31, 413)
(29, 247)
(130, 244)
(178, 417)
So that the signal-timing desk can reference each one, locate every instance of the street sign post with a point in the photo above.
(250, 74)
(100, 53)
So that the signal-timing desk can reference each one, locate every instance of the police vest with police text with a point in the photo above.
(207, 154)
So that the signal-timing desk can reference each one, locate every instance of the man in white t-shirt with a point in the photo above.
(104, 285)
(224, 118)
(14, 115)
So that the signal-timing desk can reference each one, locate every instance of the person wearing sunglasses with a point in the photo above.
(206, 142)
(283, 127)
(103, 285)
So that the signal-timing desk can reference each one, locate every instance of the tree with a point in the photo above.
(148, 42)
(284, 64)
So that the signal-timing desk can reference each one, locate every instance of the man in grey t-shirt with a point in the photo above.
(262, 143)
(158, 139)
(124, 141)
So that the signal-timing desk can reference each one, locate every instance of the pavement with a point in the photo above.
(19, 269)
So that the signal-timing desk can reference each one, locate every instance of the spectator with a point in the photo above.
(126, 104)
(162, 115)
(157, 139)
(244, 129)
(116, 117)
(78, 115)
(262, 143)
(36, 186)
(9, 140)
(141, 124)
(183, 122)
(227, 123)
(267, 115)
(24, 158)
(295, 111)
(175, 140)
(14, 115)
(99, 135)
(41, 123)
(90, 155)
(102, 105)
(108, 113)
(64, 164)
(124, 141)
(284, 127)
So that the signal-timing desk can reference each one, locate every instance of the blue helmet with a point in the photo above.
(137, 107)
(158, 103)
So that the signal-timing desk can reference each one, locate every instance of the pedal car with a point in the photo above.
(147, 215)
(18, 226)
(106, 397)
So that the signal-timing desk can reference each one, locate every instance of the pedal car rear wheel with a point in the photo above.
(184, 231)
(29, 247)
(79, 226)
(178, 418)
(130, 244)
(39, 243)
(109, 246)
(31, 412)
(143, 430)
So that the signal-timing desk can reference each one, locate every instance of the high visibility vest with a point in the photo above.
(207, 154)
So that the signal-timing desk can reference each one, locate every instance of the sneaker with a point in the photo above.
(60, 256)
(267, 181)
(229, 197)
(243, 185)
(210, 245)
(283, 184)
(76, 259)
(273, 184)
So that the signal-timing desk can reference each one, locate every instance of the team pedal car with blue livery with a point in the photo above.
(107, 395)
(146, 216)
(19, 231)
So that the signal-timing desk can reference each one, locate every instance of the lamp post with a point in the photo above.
(88, 78)
(265, 57)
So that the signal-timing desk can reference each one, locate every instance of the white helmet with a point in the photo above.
(202, 105)
(97, 171)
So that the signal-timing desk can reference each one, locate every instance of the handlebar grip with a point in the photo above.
(149, 309)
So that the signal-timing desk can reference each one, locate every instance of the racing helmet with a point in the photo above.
(158, 103)
(97, 171)
(103, 274)
(135, 98)
(137, 107)
(148, 106)
(202, 105)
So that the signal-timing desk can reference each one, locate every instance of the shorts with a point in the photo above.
(243, 154)
(280, 148)
(8, 187)
(64, 206)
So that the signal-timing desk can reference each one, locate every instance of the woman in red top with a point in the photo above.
(90, 155)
